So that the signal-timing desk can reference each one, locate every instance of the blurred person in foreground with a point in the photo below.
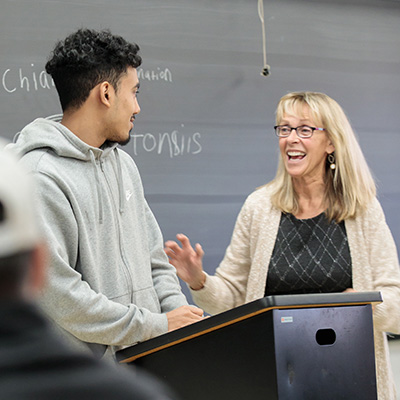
(316, 228)
(34, 363)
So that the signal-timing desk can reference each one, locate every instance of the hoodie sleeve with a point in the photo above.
(68, 299)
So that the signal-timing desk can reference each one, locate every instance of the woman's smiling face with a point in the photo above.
(304, 158)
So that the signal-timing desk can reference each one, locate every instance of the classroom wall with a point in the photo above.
(204, 138)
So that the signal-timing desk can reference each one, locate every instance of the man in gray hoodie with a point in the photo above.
(110, 282)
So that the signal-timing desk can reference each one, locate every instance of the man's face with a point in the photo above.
(124, 108)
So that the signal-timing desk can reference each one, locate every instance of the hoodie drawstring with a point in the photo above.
(120, 182)
(98, 186)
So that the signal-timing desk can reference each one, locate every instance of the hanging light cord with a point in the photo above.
(266, 69)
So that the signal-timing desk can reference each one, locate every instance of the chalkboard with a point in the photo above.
(204, 139)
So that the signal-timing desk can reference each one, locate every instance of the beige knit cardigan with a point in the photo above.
(241, 276)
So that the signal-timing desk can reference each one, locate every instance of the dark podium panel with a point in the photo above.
(317, 346)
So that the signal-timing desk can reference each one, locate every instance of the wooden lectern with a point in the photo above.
(314, 346)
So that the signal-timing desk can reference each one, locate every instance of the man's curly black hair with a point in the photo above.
(85, 59)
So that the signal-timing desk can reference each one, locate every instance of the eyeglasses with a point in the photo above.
(303, 131)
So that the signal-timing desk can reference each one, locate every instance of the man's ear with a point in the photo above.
(106, 91)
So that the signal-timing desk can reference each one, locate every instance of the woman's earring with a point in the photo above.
(331, 161)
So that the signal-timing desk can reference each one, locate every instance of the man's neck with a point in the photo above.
(84, 125)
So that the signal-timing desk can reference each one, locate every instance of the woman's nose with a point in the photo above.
(293, 135)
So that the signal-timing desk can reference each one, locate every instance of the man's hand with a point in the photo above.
(182, 316)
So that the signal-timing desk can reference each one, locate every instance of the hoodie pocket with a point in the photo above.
(147, 298)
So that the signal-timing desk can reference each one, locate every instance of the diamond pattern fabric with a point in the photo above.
(310, 256)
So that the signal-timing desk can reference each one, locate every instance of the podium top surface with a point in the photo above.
(246, 311)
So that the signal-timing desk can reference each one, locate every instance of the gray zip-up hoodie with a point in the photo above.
(109, 280)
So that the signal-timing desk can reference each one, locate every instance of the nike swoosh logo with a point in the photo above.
(128, 194)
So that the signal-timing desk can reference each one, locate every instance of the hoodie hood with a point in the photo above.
(43, 134)
(47, 134)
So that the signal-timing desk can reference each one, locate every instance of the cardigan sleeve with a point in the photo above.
(376, 267)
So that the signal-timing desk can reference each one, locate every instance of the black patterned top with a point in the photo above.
(310, 256)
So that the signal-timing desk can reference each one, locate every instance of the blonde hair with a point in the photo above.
(350, 187)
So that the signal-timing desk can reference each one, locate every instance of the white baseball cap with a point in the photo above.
(19, 230)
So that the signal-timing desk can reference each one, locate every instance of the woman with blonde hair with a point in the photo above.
(316, 228)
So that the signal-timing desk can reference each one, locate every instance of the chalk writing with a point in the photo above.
(174, 143)
(25, 79)
(155, 75)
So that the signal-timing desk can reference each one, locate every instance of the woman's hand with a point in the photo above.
(349, 290)
(187, 261)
